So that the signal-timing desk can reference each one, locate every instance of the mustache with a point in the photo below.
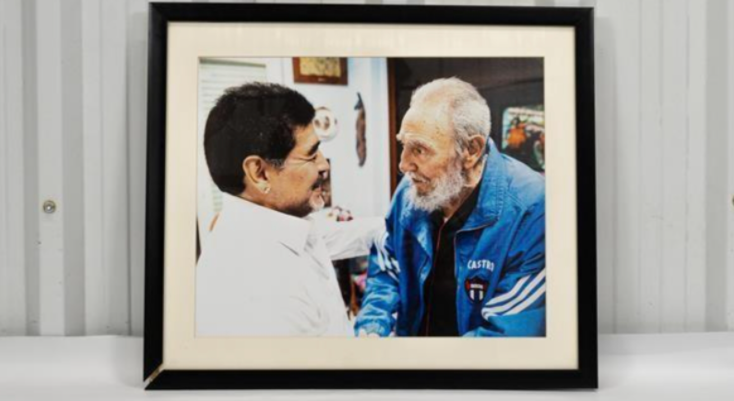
(319, 182)
(417, 177)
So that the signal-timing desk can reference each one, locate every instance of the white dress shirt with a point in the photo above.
(265, 273)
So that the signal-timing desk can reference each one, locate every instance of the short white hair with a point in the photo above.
(468, 110)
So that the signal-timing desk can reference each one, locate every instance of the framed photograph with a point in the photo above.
(427, 222)
(320, 70)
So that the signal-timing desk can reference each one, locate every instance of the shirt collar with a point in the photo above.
(293, 232)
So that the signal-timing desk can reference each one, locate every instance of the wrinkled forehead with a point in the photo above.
(427, 122)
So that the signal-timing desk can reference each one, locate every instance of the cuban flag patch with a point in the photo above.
(476, 288)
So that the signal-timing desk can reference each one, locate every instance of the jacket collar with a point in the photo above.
(491, 199)
(292, 232)
(492, 192)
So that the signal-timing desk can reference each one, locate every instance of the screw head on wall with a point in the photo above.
(49, 206)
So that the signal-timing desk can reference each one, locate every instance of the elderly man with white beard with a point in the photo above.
(464, 252)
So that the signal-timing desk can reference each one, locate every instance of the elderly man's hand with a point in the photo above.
(340, 214)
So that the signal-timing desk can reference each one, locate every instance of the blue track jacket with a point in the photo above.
(499, 259)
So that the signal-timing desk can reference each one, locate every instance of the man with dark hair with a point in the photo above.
(266, 269)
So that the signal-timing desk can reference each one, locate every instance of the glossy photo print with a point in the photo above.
(392, 197)
(370, 197)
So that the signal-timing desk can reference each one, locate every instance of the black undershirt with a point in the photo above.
(439, 319)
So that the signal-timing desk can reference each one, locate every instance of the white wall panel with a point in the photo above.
(115, 241)
(12, 231)
(30, 169)
(137, 55)
(604, 76)
(717, 197)
(73, 159)
(695, 278)
(729, 292)
(625, 19)
(651, 165)
(675, 127)
(97, 304)
(50, 167)
(72, 129)
(5, 308)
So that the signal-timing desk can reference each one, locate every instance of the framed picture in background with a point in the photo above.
(323, 70)
(370, 197)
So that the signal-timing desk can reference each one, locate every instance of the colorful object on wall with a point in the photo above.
(325, 124)
(523, 135)
(361, 128)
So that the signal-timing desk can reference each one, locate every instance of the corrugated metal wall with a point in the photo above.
(72, 130)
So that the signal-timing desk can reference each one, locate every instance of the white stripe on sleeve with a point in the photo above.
(533, 286)
(529, 301)
(501, 298)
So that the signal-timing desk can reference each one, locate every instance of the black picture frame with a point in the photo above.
(581, 19)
